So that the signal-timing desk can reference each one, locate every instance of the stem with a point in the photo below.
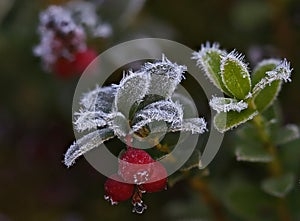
(275, 167)
(216, 207)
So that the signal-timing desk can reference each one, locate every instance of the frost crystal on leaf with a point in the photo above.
(165, 76)
(99, 99)
(193, 125)
(86, 143)
(221, 104)
(282, 72)
(165, 110)
(87, 120)
(132, 88)
(118, 123)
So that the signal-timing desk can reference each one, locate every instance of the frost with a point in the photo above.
(193, 125)
(221, 104)
(87, 120)
(86, 143)
(282, 72)
(99, 99)
(118, 123)
(132, 88)
(165, 76)
(85, 13)
(165, 110)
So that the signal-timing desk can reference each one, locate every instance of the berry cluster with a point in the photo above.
(62, 47)
(138, 173)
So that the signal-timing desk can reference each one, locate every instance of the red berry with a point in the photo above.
(116, 191)
(157, 181)
(135, 166)
(83, 59)
(65, 67)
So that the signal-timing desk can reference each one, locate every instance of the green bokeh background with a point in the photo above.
(35, 107)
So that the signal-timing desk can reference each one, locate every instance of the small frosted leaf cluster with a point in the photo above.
(142, 101)
(246, 94)
(63, 31)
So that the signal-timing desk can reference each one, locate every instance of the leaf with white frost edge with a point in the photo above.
(165, 76)
(165, 110)
(235, 75)
(255, 153)
(100, 99)
(119, 124)
(282, 72)
(86, 143)
(222, 104)
(287, 134)
(132, 88)
(209, 60)
(87, 120)
(279, 186)
(193, 125)
(225, 121)
(267, 88)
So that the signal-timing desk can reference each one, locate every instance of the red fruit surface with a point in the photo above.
(135, 166)
(83, 59)
(116, 191)
(157, 181)
(69, 67)
(63, 67)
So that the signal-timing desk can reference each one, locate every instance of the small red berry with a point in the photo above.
(66, 67)
(116, 191)
(135, 166)
(83, 59)
(157, 181)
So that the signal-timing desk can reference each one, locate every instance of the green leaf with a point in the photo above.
(251, 153)
(192, 162)
(249, 147)
(209, 60)
(235, 75)
(264, 98)
(248, 202)
(261, 68)
(86, 143)
(286, 134)
(279, 186)
(132, 89)
(119, 124)
(226, 121)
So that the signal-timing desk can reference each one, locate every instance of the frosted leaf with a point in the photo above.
(87, 120)
(86, 143)
(132, 88)
(221, 104)
(193, 125)
(190, 109)
(209, 61)
(165, 76)
(235, 75)
(282, 72)
(165, 110)
(118, 123)
(100, 99)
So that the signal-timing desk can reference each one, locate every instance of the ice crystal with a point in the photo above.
(221, 104)
(165, 110)
(282, 72)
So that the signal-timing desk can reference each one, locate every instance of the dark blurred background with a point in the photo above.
(36, 115)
